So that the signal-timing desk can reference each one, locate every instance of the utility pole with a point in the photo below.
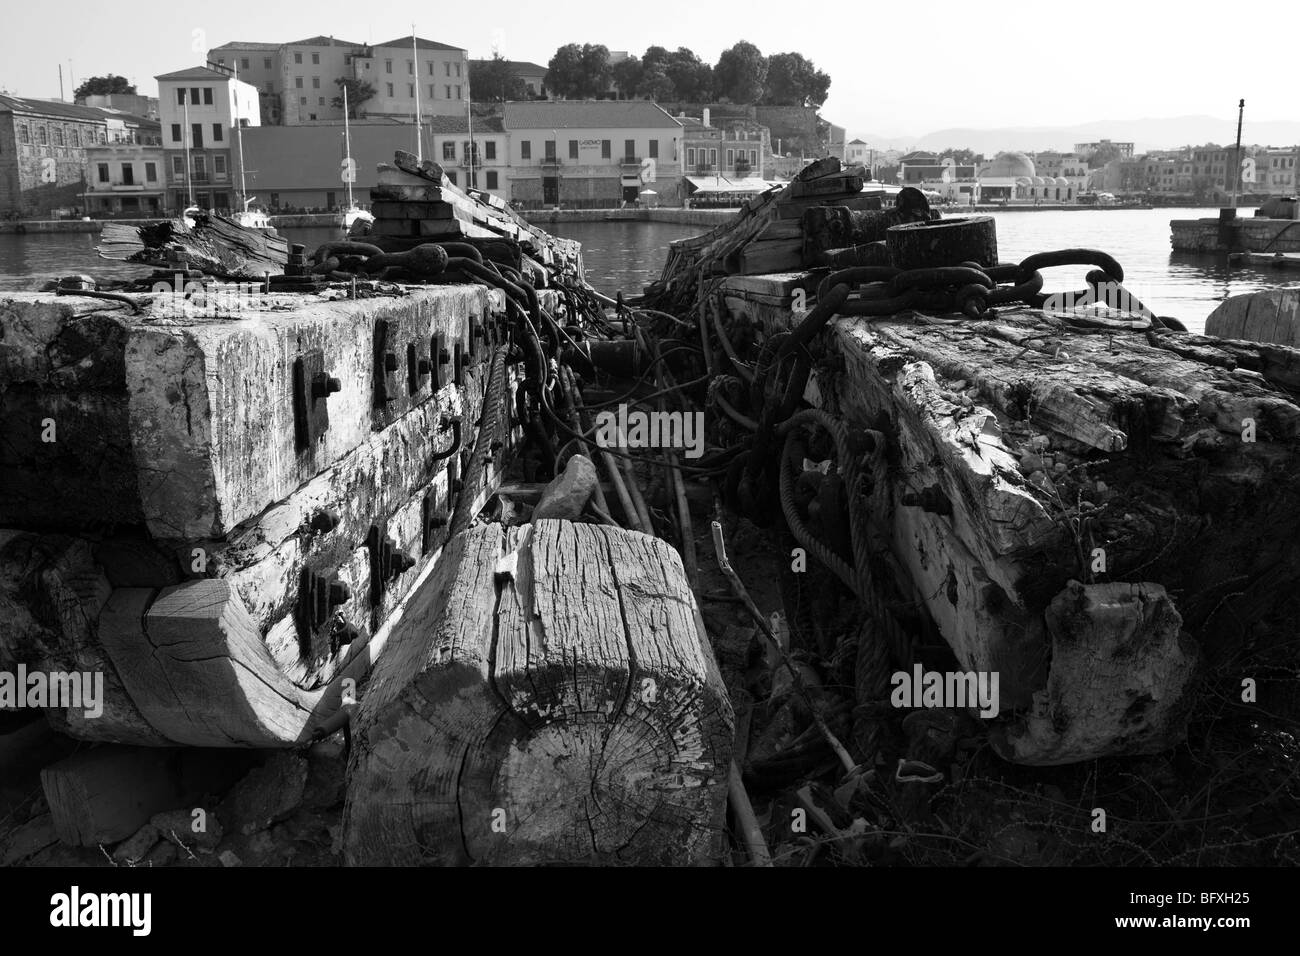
(415, 70)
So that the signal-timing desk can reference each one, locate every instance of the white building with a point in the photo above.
(198, 109)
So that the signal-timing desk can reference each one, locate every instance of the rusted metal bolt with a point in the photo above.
(423, 367)
(339, 593)
(323, 386)
(401, 562)
(443, 356)
(347, 634)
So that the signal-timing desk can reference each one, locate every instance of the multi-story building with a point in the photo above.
(299, 81)
(299, 167)
(199, 109)
(132, 103)
(734, 148)
(1275, 171)
(125, 179)
(1072, 167)
(592, 153)
(1086, 149)
(953, 181)
(43, 144)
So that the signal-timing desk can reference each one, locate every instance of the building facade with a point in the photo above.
(953, 181)
(125, 179)
(1085, 149)
(734, 148)
(592, 153)
(198, 111)
(1072, 167)
(294, 168)
(532, 75)
(299, 81)
(43, 152)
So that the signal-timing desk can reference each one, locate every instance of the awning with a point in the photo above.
(721, 184)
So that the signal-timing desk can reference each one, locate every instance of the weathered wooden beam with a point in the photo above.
(527, 714)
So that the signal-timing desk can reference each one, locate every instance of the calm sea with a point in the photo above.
(627, 255)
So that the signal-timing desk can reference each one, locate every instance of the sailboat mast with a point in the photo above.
(469, 125)
(347, 141)
(239, 140)
(415, 68)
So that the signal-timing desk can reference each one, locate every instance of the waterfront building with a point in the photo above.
(43, 143)
(952, 181)
(198, 109)
(1008, 177)
(1058, 166)
(1275, 171)
(736, 148)
(592, 153)
(125, 179)
(299, 81)
(1085, 149)
(299, 167)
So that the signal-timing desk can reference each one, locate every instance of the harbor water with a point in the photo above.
(627, 255)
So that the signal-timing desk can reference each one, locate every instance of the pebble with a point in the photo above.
(135, 847)
(228, 858)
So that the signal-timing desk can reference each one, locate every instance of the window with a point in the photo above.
(221, 61)
(196, 135)
(491, 179)
(458, 91)
(410, 68)
(315, 59)
(217, 134)
(151, 172)
(448, 92)
(178, 166)
(58, 136)
(605, 147)
(24, 135)
(731, 158)
(320, 101)
(753, 158)
(629, 148)
(311, 116)
(275, 199)
(302, 101)
(490, 149)
(194, 95)
(207, 96)
(549, 147)
(388, 88)
(431, 73)
(525, 149)
(573, 149)
(200, 165)
(433, 92)
(388, 66)
(713, 157)
(243, 63)
(448, 68)
(180, 96)
(448, 150)
(690, 156)
(103, 172)
(219, 165)
(654, 149)
(297, 58)
(74, 137)
(458, 70)
(410, 90)
(266, 62)
(42, 136)
(297, 82)
(315, 82)
(452, 177)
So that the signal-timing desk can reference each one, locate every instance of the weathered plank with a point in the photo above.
(568, 711)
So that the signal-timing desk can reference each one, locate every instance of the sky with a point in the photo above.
(968, 64)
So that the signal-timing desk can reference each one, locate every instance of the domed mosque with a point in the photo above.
(1011, 176)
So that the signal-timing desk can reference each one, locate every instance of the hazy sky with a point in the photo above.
(952, 64)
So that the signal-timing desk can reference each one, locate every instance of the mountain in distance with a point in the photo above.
(1145, 134)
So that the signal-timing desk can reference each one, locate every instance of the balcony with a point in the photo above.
(631, 161)
(550, 161)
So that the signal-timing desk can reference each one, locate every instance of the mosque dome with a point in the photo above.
(1009, 166)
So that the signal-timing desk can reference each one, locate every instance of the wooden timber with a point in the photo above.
(214, 244)
(550, 698)
(1123, 503)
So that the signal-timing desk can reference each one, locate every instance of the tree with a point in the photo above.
(740, 73)
(792, 80)
(579, 71)
(627, 77)
(358, 92)
(103, 85)
(495, 81)
(691, 77)
(656, 84)
(962, 157)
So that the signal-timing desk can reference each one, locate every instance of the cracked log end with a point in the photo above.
(569, 713)
(1120, 667)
